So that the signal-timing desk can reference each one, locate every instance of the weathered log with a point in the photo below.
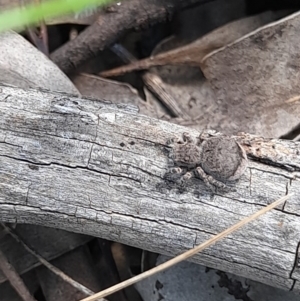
(96, 168)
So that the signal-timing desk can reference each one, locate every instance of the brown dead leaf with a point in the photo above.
(256, 77)
(116, 92)
(194, 93)
(38, 237)
(77, 265)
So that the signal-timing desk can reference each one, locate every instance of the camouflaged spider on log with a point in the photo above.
(215, 160)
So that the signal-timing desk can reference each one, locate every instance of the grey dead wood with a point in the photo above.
(97, 168)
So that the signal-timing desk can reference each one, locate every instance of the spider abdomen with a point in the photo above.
(223, 158)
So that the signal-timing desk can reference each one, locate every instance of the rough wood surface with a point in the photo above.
(96, 168)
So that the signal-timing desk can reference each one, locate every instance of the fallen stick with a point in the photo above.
(97, 168)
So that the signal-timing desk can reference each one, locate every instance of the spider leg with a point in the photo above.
(188, 175)
(183, 180)
(180, 175)
(183, 139)
(175, 170)
(175, 173)
(209, 180)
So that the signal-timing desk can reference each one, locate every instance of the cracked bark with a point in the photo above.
(96, 168)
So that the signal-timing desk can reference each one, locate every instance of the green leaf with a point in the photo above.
(21, 17)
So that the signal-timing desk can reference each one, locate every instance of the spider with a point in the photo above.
(215, 160)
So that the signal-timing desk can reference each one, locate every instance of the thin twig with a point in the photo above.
(156, 85)
(14, 279)
(51, 267)
(186, 254)
(153, 82)
(39, 37)
(160, 59)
